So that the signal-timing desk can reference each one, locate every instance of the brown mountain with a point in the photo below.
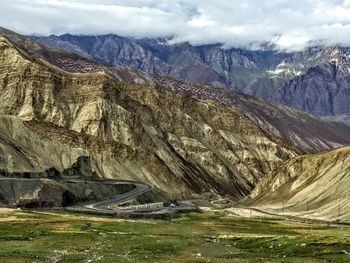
(302, 131)
(314, 186)
(182, 137)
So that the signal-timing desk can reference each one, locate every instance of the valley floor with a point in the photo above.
(212, 236)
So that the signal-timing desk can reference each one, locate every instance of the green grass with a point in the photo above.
(207, 237)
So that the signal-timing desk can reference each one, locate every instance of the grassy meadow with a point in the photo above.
(216, 236)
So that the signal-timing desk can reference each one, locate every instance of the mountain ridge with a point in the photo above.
(271, 75)
(182, 60)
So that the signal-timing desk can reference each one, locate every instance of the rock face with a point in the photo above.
(38, 171)
(315, 80)
(315, 186)
(24, 153)
(319, 84)
(183, 138)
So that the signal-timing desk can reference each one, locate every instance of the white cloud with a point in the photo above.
(201, 22)
(235, 23)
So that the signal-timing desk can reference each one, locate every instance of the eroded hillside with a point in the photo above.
(137, 132)
(25, 152)
(315, 186)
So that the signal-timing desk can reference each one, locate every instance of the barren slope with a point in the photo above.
(178, 143)
(182, 137)
(23, 151)
(316, 186)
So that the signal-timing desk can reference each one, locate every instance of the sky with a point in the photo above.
(289, 25)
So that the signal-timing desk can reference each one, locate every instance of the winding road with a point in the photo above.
(104, 205)
(141, 188)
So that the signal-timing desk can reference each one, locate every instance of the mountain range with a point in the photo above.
(65, 115)
(315, 80)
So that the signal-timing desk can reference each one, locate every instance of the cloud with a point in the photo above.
(290, 25)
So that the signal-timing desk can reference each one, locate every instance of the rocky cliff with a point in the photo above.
(38, 171)
(24, 153)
